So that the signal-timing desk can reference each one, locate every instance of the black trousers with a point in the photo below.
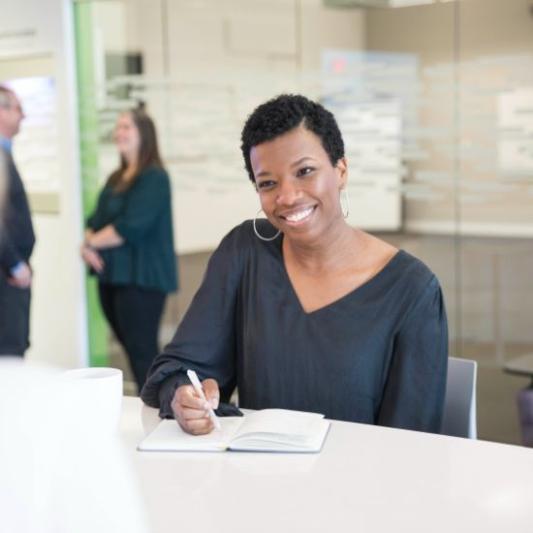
(134, 315)
(14, 318)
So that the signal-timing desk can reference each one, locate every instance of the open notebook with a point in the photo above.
(269, 430)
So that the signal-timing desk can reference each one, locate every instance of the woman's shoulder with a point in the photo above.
(152, 173)
(396, 267)
(413, 267)
(151, 181)
(246, 232)
(394, 260)
(239, 236)
(243, 241)
(411, 277)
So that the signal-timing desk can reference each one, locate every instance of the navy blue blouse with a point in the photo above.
(377, 355)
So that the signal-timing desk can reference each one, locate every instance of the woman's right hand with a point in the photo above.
(191, 411)
(92, 258)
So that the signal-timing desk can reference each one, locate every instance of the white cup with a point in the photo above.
(96, 397)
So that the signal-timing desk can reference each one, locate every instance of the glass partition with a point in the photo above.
(435, 101)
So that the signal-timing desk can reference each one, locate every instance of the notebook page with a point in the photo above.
(278, 425)
(274, 442)
(168, 436)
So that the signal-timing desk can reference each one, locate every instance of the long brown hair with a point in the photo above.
(148, 151)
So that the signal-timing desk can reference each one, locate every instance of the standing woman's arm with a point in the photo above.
(413, 396)
(88, 252)
(147, 196)
(107, 237)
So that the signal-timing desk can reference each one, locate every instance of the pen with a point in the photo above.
(191, 374)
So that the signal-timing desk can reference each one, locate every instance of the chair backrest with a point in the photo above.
(459, 418)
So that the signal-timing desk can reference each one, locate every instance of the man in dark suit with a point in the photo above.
(16, 237)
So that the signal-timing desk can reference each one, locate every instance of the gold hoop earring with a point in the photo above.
(345, 203)
(259, 236)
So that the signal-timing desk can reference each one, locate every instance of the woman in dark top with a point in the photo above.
(129, 242)
(301, 311)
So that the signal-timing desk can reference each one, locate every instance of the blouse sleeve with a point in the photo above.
(145, 201)
(205, 338)
(94, 221)
(414, 391)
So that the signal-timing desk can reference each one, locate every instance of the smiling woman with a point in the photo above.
(297, 184)
(324, 317)
(129, 242)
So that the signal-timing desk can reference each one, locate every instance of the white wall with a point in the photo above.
(36, 29)
(206, 67)
(475, 57)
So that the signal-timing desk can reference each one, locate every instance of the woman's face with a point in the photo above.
(298, 186)
(127, 137)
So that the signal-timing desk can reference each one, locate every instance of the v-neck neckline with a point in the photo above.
(356, 291)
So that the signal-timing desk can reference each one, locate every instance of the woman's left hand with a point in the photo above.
(92, 258)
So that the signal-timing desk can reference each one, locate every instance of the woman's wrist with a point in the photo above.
(87, 244)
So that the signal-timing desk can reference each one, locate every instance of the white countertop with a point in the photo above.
(522, 365)
(366, 479)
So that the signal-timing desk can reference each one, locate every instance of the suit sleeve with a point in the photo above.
(16, 230)
(9, 257)
(96, 221)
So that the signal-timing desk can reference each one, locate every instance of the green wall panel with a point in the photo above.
(88, 121)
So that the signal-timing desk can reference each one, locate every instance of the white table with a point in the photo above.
(521, 366)
(366, 479)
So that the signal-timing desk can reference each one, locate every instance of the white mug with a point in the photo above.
(95, 395)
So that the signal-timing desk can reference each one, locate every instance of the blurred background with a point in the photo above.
(434, 99)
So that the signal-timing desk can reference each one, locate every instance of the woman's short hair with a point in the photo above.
(284, 113)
